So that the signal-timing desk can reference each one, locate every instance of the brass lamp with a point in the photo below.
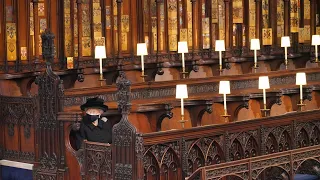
(182, 93)
(183, 48)
(255, 45)
(315, 42)
(301, 80)
(142, 51)
(100, 53)
(224, 88)
(264, 84)
(220, 46)
(285, 42)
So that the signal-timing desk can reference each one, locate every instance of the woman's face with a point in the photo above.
(94, 111)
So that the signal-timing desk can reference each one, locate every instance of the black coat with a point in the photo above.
(101, 133)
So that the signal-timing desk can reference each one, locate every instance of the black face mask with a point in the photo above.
(92, 118)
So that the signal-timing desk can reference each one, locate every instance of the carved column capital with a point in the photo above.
(119, 1)
(193, 1)
(159, 1)
(79, 1)
(35, 1)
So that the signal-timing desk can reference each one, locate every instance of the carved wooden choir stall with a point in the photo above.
(56, 54)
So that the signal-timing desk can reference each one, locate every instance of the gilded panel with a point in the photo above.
(23, 53)
(99, 41)
(70, 63)
(301, 35)
(214, 11)
(108, 17)
(184, 34)
(125, 23)
(124, 41)
(86, 46)
(307, 33)
(221, 9)
(265, 13)
(294, 18)
(307, 9)
(41, 9)
(43, 25)
(173, 43)
(237, 11)
(267, 36)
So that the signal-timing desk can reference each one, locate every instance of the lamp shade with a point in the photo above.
(181, 91)
(142, 49)
(255, 44)
(100, 52)
(224, 87)
(264, 82)
(220, 45)
(315, 40)
(301, 78)
(285, 41)
(182, 47)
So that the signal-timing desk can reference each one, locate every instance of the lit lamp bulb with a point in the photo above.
(224, 88)
(285, 42)
(315, 42)
(301, 80)
(100, 53)
(142, 51)
(255, 45)
(220, 46)
(183, 48)
(264, 84)
(182, 93)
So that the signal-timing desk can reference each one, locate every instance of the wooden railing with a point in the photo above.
(289, 162)
(192, 148)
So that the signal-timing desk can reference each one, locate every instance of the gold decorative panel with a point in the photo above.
(24, 53)
(221, 9)
(70, 63)
(172, 25)
(75, 29)
(86, 46)
(252, 19)
(206, 33)
(265, 13)
(124, 41)
(214, 11)
(267, 36)
(189, 24)
(99, 41)
(183, 34)
(41, 9)
(67, 29)
(294, 15)
(43, 25)
(237, 11)
(280, 20)
(11, 34)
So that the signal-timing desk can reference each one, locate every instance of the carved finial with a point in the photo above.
(48, 49)
(123, 85)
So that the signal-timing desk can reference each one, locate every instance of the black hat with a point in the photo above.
(95, 103)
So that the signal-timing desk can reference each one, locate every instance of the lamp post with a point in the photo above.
(224, 88)
(220, 46)
(100, 53)
(285, 42)
(183, 48)
(255, 45)
(264, 84)
(315, 42)
(142, 51)
(301, 80)
(182, 93)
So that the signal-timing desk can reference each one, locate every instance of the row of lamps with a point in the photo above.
(224, 89)
(100, 52)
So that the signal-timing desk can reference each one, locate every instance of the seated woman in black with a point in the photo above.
(93, 127)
